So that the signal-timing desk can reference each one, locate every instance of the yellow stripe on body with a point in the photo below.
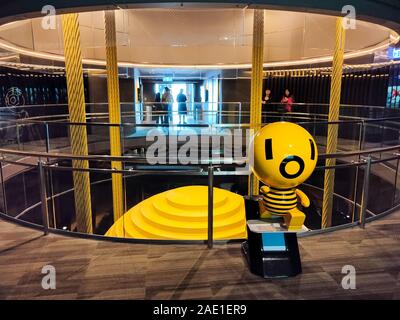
(279, 201)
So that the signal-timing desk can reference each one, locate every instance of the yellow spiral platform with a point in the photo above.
(181, 214)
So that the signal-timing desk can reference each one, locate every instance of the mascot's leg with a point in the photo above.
(294, 220)
(265, 214)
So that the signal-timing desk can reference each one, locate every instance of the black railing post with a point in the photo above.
(364, 201)
(210, 206)
(43, 197)
(3, 187)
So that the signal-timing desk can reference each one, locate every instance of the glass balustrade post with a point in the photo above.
(364, 201)
(24, 189)
(360, 143)
(240, 113)
(43, 196)
(251, 177)
(355, 194)
(47, 139)
(50, 174)
(18, 137)
(210, 205)
(382, 127)
(362, 136)
(123, 165)
(395, 178)
(314, 125)
(3, 187)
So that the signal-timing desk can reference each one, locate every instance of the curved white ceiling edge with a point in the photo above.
(393, 39)
(50, 56)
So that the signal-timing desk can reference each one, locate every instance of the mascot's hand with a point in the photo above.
(305, 202)
(265, 189)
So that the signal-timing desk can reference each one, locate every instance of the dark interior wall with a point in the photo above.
(358, 88)
(97, 90)
(40, 88)
(235, 90)
(98, 99)
(361, 88)
(197, 91)
(148, 91)
(31, 88)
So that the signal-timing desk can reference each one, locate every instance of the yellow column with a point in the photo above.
(78, 134)
(256, 82)
(334, 106)
(114, 111)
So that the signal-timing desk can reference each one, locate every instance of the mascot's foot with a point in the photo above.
(294, 220)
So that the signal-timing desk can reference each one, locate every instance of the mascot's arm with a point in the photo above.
(305, 202)
(265, 189)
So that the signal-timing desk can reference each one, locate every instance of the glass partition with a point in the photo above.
(227, 134)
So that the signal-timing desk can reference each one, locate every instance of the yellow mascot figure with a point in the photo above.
(285, 155)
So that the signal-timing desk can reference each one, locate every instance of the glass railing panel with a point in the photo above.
(372, 135)
(60, 190)
(191, 113)
(349, 136)
(381, 187)
(22, 192)
(62, 196)
(319, 131)
(57, 137)
(397, 182)
(344, 193)
(102, 201)
(3, 198)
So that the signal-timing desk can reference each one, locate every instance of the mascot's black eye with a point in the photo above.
(268, 149)
(312, 150)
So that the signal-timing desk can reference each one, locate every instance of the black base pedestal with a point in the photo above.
(269, 253)
(273, 264)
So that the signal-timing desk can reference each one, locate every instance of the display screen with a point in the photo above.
(273, 241)
(394, 53)
(393, 97)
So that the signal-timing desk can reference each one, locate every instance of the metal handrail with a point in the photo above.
(36, 119)
(312, 104)
(39, 154)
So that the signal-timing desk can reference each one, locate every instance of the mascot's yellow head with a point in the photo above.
(285, 155)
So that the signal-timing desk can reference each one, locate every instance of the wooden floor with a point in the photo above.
(88, 269)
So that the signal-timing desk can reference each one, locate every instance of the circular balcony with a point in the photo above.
(36, 161)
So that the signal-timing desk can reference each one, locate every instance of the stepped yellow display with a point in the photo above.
(181, 214)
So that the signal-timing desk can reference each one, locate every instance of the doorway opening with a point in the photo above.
(176, 87)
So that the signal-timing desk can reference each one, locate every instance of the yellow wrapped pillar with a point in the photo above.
(334, 106)
(256, 83)
(114, 111)
(77, 113)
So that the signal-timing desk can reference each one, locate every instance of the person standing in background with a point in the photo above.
(287, 100)
(182, 107)
(157, 107)
(267, 98)
(167, 101)
(267, 104)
